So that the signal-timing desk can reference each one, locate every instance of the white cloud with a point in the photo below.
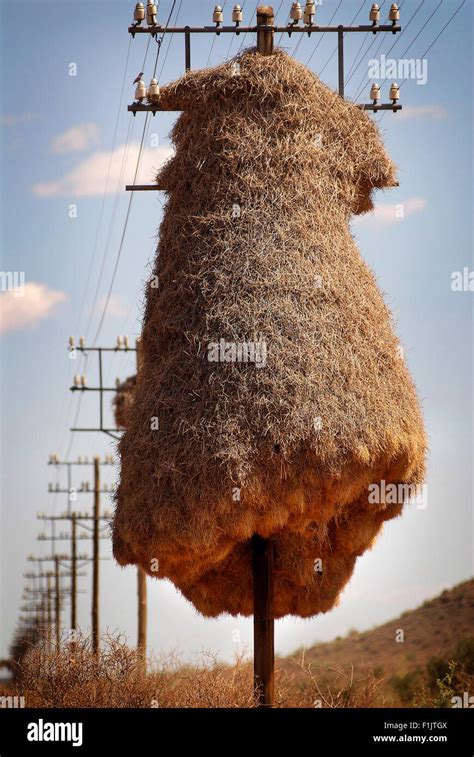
(116, 307)
(76, 139)
(394, 212)
(88, 178)
(411, 112)
(35, 303)
(12, 119)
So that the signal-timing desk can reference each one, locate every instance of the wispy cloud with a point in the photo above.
(76, 139)
(116, 307)
(37, 302)
(88, 178)
(416, 112)
(13, 119)
(394, 212)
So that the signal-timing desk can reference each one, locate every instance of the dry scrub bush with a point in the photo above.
(72, 676)
(312, 685)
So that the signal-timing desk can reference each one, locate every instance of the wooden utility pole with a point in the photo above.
(263, 622)
(265, 38)
(95, 559)
(142, 614)
(48, 608)
(73, 571)
(79, 560)
(141, 575)
(57, 604)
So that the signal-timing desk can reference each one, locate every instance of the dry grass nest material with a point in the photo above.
(123, 401)
(255, 246)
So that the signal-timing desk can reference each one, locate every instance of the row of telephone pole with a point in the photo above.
(54, 582)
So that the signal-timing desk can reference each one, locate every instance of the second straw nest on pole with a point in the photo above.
(272, 393)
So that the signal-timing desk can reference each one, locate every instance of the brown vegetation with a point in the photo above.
(361, 670)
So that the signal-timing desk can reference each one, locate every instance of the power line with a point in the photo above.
(335, 49)
(250, 23)
(423, 55)
(361, 84)
(321, 37)
(421, 30)
(127, 216)
(106, 184)
(112, 221)
(115, 206)
(354, 67)
(233, 36)
(122, 239)
(442, 30)
(109, 233)
(170, 42)
(214, 40)
(91, 264)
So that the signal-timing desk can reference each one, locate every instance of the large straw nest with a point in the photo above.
(122, 402)
(287, 450)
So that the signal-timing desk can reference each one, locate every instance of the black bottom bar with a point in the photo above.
(437, 732)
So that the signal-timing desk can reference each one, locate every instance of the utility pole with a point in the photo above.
(142, 614)
(95, 560)
(80, 384)
(265, 36)
(265, 30)
(79, 560)
(70, 490)
(57, 614)
(263, 621)
(141, 575)
(44, 610)
(74, 518)
(73, 571)
(49, 576)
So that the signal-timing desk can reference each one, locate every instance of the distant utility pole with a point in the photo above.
(71, 490)
(81, 385)
(96, 535)
(47, 592)
(95, 562)
(141, 575)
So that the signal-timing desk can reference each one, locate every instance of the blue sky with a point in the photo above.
(57, 139)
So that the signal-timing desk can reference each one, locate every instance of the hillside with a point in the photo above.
(432, 630)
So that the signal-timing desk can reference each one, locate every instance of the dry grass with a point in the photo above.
(361, 670)
(433, 630)
(123, 401)
(73, 677)
(286, 450)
